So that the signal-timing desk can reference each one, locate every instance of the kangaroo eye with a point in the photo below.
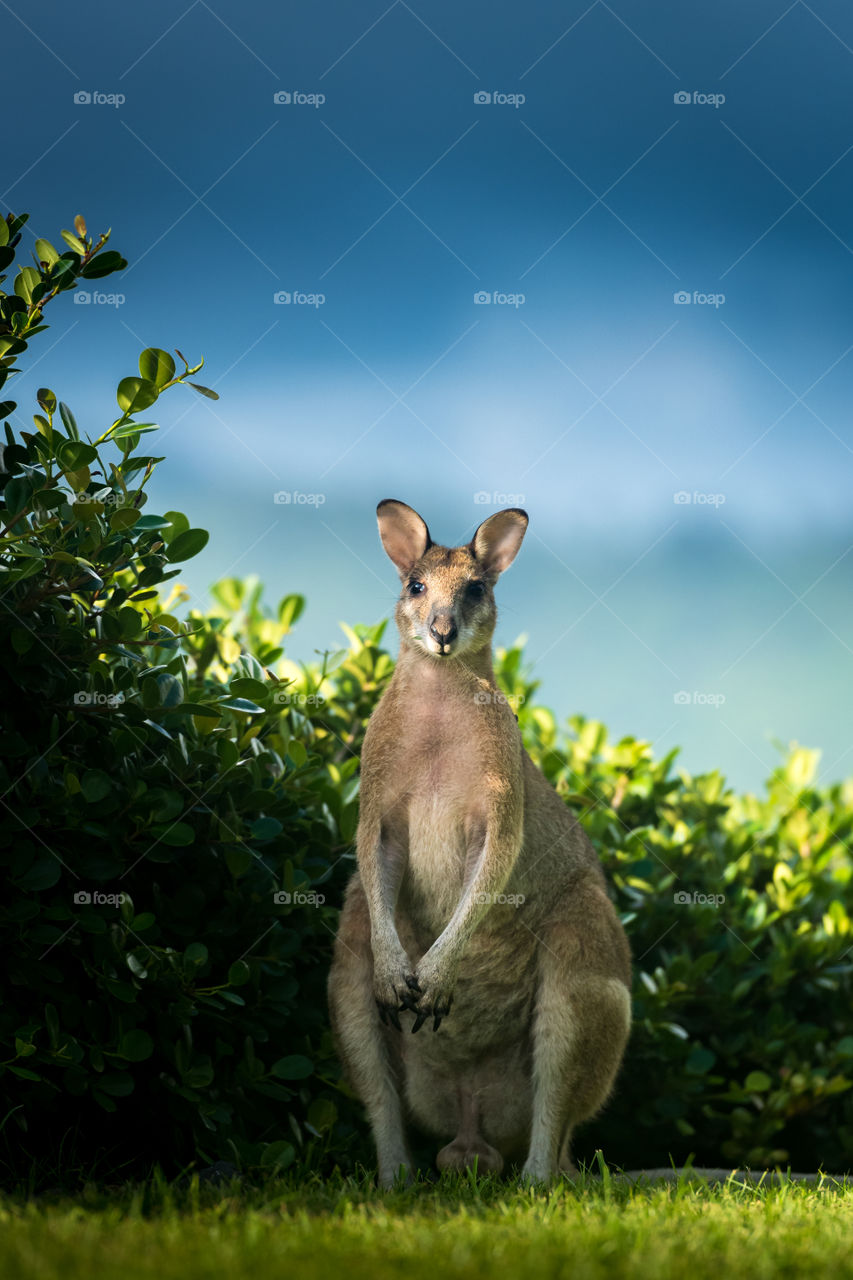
(416, 588)
(476, 590)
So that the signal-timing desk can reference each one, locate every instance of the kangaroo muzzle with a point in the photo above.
(443, 631)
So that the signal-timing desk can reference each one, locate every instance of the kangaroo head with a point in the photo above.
(447, 604)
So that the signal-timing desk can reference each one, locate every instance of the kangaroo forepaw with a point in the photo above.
(437, 1010)
(392, 987)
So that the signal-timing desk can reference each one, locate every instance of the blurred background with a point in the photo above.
(592, 259)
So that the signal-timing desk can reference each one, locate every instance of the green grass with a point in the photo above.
(456, 1227)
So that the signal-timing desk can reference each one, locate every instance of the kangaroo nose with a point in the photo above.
(443, 630)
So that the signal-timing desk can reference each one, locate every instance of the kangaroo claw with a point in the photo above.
(419, 1022)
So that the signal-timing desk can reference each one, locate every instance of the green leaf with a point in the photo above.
(238, 860)
(73, 454)
(178, 525)
(136, 1045)
(266, 828)
(134, 429)
(278, 1155)
(204, 391)
(45, 252)
(95, 785)
(124, 518)
(244, 687)
(134, 394)
(103, 265)
(69, 421)
(294, 1067)
(322, 1114)
(25, 281)
(290, 610)
(196, 954)
(178, 835)
(74, 242)
(239, 973)
(187, 544)
(757, 1082)
(156, 366)
(241, 704)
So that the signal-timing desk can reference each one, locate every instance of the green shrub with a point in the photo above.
(163, 822)
(179, 802)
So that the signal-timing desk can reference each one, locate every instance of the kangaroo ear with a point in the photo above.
(496, 542)
(404, 534)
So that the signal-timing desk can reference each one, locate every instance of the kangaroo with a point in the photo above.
(478, 901)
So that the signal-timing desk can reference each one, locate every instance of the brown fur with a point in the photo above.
(456, 819)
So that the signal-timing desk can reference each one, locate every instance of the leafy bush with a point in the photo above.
(179, 803)
(737, 913)
(163, 820)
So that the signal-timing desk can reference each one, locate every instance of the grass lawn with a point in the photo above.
(454, 1227)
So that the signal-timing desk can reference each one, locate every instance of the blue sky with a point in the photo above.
(581, 390)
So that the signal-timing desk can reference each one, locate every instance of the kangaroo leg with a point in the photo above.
(366, 1049)
(468, 1145)
(581, 1025)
